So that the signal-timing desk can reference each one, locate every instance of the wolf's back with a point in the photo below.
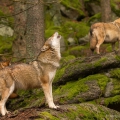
(24, 75)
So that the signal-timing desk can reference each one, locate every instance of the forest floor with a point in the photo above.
(27, 114)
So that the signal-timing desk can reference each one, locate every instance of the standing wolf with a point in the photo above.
(104, 32)
(38, 73)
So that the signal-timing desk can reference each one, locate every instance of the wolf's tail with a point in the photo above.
(93, 40)
(91, 31)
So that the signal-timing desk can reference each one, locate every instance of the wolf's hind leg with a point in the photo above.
(4, 96)
(100, 41)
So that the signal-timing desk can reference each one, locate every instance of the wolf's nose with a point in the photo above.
(56, 33)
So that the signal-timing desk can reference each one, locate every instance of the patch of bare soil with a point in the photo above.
(27, 114)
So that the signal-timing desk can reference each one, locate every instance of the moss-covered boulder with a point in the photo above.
(84, 66)
(83, 111)
(86, 89)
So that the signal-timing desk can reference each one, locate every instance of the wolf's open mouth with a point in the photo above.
(58, 36)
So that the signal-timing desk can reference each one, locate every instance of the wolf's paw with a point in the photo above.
(8, 112)
(54, 107)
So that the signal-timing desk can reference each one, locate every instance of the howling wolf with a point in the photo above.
(39, 73)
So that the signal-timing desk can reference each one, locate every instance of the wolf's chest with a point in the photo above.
(52, 74)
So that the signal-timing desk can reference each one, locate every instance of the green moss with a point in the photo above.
(77, 48)
(115, 7)
(98, 62)
(59, 73)
(64, 65)
(112, 100)
(68, 58)
(116, 87)
(72, 89)
(27, 99)
(73, 5)
(6, 44)
(115, 73)
(117, 57)
(83, 111)
(94, 17)
(65, 53)
(77, 51)
(102, 80)
(80, 29)
(88, 112)
(6, 20)
(47, 116)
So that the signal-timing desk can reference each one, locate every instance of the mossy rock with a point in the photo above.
(83, 111)
(6, 44)
(112, 100)
(113, 88)
(81, 90)
(77, 51)
(27, 99)
(78, 68)
(115, 73)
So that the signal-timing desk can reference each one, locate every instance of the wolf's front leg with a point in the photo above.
(5, 93)
(47, 91)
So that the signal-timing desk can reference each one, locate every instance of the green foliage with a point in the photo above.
(6, 20)
(47, 116)
(94, 17)
(77, 51)
(6, 44)
(115, 7)
(77, 29)
(76, 5)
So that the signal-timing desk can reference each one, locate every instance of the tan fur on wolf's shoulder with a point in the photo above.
(104, 32)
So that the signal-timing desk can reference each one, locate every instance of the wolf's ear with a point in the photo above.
(44, 48)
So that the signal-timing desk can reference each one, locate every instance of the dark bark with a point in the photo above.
(29, 29)
(35, 29)
(19, 45)
(106, 10)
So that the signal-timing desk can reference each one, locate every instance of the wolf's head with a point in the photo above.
(53, 42)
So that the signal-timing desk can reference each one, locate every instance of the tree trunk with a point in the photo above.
(19, 45)
(106, 10)
(35, 29)
(29, 28)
